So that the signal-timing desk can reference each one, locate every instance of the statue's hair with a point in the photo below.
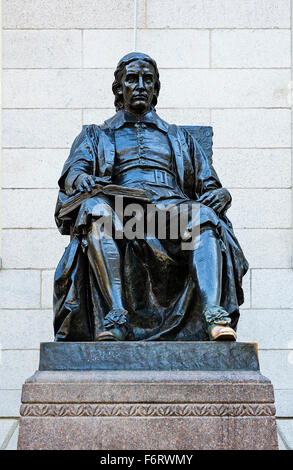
(116, 86)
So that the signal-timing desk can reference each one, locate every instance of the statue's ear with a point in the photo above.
(157, 89)
(119, 90)
(155, 97)
(119, 102)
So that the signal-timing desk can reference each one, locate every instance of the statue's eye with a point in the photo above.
(131, 78)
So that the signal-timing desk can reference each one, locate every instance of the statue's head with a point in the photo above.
(136, 86)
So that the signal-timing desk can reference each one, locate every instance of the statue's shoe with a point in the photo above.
(217, 322)
(222, 333)
(115, 326)
(113, 334)
(107, 336)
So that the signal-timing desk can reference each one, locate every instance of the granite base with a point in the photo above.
(169, 407)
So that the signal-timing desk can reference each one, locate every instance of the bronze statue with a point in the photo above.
(144, 287)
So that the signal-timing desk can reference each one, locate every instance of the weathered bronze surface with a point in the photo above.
(144, 287)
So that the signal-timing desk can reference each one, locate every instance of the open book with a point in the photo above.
(110, 190)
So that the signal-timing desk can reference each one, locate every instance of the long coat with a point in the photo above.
(163, 304)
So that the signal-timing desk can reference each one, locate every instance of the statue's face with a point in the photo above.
(138, 86)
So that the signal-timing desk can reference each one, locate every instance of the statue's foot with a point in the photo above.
(116, 326)
(113, 334)
(217, 321)
(106, 336)
(222, 333)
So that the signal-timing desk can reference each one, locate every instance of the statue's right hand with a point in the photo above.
(85, 182)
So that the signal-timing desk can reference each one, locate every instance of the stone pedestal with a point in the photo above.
(148, 395)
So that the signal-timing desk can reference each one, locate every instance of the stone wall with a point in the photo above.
(233, 60)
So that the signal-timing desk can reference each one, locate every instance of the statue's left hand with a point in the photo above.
(217, 199)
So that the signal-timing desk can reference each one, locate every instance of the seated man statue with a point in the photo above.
(144, 287)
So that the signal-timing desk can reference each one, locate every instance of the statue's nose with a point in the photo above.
(140, 82)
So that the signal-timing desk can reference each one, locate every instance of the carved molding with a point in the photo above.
(147, 410)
